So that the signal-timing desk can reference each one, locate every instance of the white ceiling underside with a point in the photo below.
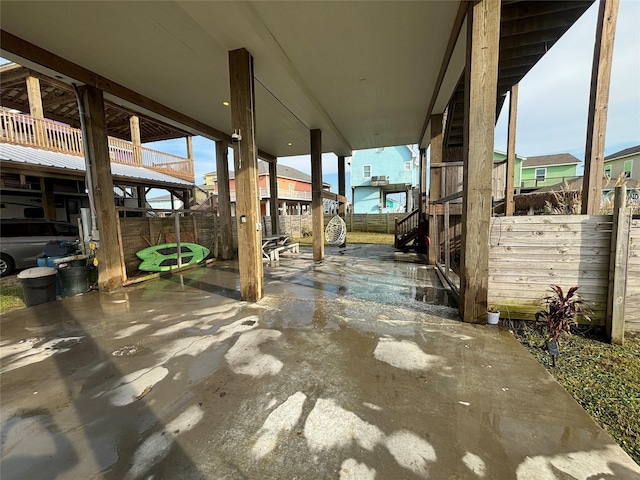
(362, 72)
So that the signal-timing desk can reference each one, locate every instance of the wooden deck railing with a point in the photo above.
(406, 226)
(25, 130)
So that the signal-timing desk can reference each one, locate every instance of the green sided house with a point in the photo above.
(547, 170)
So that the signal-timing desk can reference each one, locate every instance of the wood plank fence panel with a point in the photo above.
(632, 298)
(529, 253)
(138, 232)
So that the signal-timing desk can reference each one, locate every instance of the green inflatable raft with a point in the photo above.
(163, 257)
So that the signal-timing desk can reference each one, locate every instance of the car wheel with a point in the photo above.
(7, 265)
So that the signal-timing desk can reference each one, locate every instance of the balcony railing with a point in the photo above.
(282, 194)
(25, 130)
(538, 182)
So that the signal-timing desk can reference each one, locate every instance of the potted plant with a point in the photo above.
(493, 315)
(560, 313)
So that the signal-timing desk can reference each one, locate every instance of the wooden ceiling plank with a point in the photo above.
(523, 10)
(532, 38)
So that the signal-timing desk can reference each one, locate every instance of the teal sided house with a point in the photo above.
(379, 172)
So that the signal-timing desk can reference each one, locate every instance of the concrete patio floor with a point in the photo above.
(350, 368)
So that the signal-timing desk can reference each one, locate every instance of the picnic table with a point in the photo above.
(269, 242)
(273, 245)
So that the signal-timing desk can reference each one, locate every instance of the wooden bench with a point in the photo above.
(274, 253)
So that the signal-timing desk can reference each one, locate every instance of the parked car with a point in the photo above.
(23, 240)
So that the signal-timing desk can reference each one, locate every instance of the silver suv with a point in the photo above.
(22, 240)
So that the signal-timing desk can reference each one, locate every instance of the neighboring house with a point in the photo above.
(294, 190)
(379, 172)
(165, 202)
(625, 161)
(547, 170)
(500, 172)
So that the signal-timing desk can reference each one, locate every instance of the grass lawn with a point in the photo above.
(604, 379)
(10, 294)
(356, 237)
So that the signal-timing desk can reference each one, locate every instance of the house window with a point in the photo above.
(607, 170)
(291, 189)
(366, 171)
(407, 166)
(541, 174)
(628, 165)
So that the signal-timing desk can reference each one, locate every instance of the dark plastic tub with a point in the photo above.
(74, 280)
(38, 285)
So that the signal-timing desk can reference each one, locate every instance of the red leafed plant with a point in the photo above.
(562, 311)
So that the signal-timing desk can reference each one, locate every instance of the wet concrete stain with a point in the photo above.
(348, 368)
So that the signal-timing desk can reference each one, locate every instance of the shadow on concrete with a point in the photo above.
(111, 438)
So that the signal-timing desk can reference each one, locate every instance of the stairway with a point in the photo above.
(408, 229)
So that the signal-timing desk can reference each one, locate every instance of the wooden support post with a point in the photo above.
(123, 266)
(36, 109)
(142, 197)
(422, 169)
(224, 201)
(435, 190)
(598, 105)
(618, 259)
(176, 219)
(48, 200)
(447, 242)
(317, 212)
(342, 188)
(481, 75)
(134, 126)
(189, 141)
(511, 152)
(246, 175)
(273, 197)
(108, 253)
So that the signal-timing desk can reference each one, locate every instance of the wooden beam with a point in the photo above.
(189, 141)
(245, 157)
(141, 196)
(598, 105)
(35, 97)
(453, 38)
(35, 108)
(422, 182)
(524, 10)
(435, 187)
(511, 152)
(273, 197)
(317, 211)
(134, 127)
(618, 260)
(48, 200)
(342, 188)
(446, 164)
(226, 250)
(108, 253)
(53, 100)
(481, 76)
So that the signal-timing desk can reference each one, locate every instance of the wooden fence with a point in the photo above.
(527, 254)
(137, 233)
(371, 222)
(632, 300)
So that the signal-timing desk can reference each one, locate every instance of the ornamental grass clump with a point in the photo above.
(562, 311)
